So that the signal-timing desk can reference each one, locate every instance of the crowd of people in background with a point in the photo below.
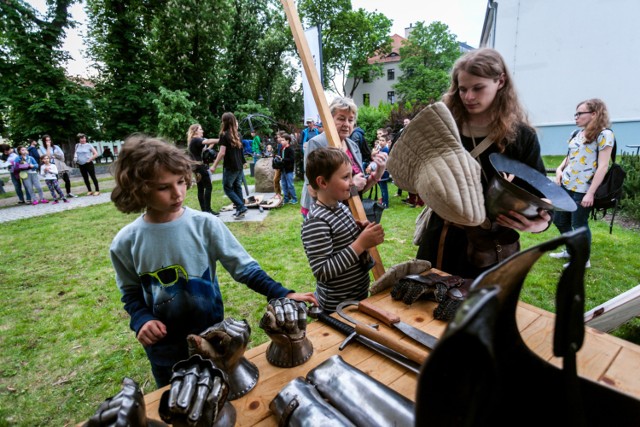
(44, 161)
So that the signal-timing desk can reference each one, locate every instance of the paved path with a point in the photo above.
(11, 212)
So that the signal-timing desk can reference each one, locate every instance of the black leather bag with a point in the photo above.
(372, 208)
(277, 162)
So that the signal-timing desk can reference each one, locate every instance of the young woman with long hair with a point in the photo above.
(231, 153)
(581, 172)
(197, 143)
(484, 103)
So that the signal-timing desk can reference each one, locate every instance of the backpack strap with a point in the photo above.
(613, 151)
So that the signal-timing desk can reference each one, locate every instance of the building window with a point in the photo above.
(391, 97)
(391, 74)
(366, 99)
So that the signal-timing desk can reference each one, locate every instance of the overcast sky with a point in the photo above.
(464, 18)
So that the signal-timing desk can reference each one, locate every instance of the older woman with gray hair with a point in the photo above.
(345, 113)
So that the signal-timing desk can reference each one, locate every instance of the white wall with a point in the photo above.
(378, 88)
(563, 52)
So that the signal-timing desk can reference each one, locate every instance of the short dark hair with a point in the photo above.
(140, 159)
(324, 162)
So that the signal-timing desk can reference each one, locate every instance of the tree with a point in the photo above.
(349, 39)
(189, 42)
(276, 78)
(174, 114)
(36, 96)
(118, 45)
(426, 60)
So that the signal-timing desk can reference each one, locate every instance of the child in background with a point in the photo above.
(165, 260)
(384, 179)
(286, 173)
(335, 243)
(50, 173)
(27, 168)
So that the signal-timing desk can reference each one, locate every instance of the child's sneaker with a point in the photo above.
(55, 202)
(44, 201)
(65, 200)
(71, 195)
(97, 193)
(35, 202)
(90, 193)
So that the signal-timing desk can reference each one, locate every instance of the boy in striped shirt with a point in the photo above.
(335, 243)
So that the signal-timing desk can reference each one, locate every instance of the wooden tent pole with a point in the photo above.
(355, 204)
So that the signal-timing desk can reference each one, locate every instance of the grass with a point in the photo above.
(65, 338)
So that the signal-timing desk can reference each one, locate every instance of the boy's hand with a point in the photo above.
(305, 297)
(362, 224)
(151, 332)
(372, 235)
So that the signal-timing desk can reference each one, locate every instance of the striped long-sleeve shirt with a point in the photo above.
(340, 275)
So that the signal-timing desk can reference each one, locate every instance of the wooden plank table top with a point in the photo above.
(603, 358)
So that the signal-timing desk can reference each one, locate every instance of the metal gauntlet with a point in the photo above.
(126, 408)
(285, 322)
(225, 343)
(198, 396)
(448, 291)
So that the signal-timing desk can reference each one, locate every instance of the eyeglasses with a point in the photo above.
(166, 276)
(579, 113)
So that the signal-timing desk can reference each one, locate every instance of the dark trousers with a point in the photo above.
(67, 182)
(88, 169)
(204, 187)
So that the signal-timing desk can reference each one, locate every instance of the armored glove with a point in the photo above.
(286, 323)
(448, 291)
(397, 272)
(124, 409)
(225, 343)
(198, 395)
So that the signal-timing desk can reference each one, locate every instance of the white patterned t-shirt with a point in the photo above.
(583, 160)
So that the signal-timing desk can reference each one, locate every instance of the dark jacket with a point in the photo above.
(357, 136)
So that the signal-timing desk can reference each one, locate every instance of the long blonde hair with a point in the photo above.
(229, 126)
(506, 111)
(599, 122)
(192, 131)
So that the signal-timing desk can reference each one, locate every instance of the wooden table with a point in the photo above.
(603, 358)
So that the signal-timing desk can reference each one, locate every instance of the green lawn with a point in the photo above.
(65, 339)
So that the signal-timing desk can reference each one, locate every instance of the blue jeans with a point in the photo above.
(569, 221)
(384, 192)
(17, 185)
(288, 190)
(232, 186)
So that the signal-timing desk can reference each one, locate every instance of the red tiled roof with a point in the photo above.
(394, 56)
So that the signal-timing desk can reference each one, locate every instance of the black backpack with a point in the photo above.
(209, 155)
(609, 193)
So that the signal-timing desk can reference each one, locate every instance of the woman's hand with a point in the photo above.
(522, 223)
(587, 200)
(359, 181)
